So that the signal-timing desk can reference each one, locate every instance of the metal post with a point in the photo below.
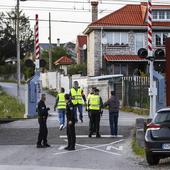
(18, 52)
(152, 89)
(50, 59)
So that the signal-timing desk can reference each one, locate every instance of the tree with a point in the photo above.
(77, 69)
(56, 54)
(8, 36)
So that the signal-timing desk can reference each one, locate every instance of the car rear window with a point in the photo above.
(162, 117)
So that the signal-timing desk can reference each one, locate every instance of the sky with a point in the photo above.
(65, 11)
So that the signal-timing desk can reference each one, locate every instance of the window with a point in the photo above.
(109, 37)
(124, 38)
(139, 41)
(155, 16)
(161, 14)
(117, 69)
(168, 14)
(124, 69)
(117, 38)
(160, 38)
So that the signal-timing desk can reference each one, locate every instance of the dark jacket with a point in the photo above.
(70, 111)
(113, 104)
(42, 110)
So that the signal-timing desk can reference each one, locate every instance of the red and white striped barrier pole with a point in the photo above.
(152, 88)
(37, 48)
(150, 28)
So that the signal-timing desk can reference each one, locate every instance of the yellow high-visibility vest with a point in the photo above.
(61, 101)
(94, 102)
(88, 99)
(76, 96)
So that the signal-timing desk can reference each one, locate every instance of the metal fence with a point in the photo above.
(135, 91)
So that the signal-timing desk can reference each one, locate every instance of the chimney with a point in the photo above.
(94, 5)
(58, 42)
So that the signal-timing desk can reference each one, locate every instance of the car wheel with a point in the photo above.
(152, 159)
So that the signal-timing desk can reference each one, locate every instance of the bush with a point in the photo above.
(10, 107)
(139, 111)
(8, 69)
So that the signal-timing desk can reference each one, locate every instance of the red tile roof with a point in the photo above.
(64, 60)
(130, 15)
(123, 58)
(82, 39)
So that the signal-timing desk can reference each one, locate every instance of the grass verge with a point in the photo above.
(139, 111)
(10, 107)
(136, 148)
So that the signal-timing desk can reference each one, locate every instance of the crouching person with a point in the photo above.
(42, 120)
(71, 135)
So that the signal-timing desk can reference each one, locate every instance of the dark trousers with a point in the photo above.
(43, 131)
(94, 121)
(113, 120)
(71, 135)
(92, 128)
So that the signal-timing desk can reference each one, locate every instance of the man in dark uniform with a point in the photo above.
(71, 135)
(42, 120)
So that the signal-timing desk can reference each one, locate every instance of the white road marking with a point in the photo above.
(86, 147)
(94, 148)
(61, 147)
(108, 148)
(86, 136)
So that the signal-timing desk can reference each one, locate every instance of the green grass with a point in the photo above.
(136, 148)
(10, 107)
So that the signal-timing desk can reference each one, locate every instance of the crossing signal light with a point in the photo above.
(159, 53)
(142, 52)
(42, 63)
(29, 63)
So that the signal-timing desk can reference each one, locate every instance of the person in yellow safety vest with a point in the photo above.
(88, 109)
(77, 97)
(60, 104)
(95, 105)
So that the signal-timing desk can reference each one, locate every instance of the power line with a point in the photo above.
(53, 20)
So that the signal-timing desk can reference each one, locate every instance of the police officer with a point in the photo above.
(95, 104)
(42, 120)
(71, 135)
(61, 107)
(77, 95)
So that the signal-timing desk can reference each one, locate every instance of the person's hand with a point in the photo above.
(54, 109)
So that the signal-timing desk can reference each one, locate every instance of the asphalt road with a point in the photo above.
(18, 150)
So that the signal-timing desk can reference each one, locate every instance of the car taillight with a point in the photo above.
(153, 126)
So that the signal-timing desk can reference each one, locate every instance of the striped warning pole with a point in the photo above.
(152, 88)
(150, 28)
(37, 48)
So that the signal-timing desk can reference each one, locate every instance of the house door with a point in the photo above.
(139, 38)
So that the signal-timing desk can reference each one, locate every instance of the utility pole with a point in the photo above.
(18, 52)
(49, 51)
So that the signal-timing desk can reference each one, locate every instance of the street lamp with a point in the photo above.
(18, 51)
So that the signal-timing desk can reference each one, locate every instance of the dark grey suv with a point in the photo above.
(157, 137)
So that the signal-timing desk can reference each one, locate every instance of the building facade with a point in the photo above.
(114, 40)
